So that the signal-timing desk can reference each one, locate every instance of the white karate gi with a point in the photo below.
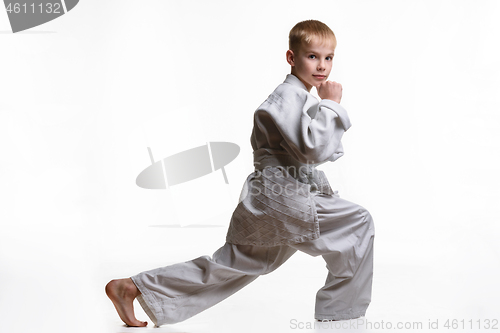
(286, 205)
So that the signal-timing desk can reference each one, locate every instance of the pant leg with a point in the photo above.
(174, 293)
(346, 244)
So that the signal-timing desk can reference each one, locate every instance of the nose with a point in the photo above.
(321, 65)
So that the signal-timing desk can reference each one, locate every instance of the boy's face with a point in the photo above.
(312, 63)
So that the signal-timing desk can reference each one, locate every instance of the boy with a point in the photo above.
(286, 205)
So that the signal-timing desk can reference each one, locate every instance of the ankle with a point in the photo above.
(130, 288)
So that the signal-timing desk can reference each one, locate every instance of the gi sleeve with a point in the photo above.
(310, 131)
(313, 134)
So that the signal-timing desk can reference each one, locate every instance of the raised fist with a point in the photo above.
(330, 90)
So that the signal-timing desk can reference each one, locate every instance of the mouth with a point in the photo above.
(320, 77)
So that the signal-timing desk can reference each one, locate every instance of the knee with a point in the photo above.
(367, 218)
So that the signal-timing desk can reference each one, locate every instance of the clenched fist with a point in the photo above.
(330, 90)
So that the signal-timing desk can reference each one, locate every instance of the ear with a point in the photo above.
(290, 58)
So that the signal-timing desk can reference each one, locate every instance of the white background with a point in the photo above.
(83, 96)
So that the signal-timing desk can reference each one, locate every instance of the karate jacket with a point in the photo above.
(293, 133)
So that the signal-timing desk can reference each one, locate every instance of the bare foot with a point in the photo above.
(122, 293)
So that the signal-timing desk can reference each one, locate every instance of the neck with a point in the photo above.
(308, 86)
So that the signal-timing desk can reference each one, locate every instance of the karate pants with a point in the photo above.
(174, 293)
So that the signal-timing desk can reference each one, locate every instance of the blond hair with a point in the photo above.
(303, 33)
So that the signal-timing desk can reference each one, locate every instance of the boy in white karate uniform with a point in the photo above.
(286, 205)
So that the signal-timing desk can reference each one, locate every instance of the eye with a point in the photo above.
(329, 58)
(312, 56)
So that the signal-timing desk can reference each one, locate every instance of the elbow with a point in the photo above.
(314, 156)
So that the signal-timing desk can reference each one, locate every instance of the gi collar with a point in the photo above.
(295, 81)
